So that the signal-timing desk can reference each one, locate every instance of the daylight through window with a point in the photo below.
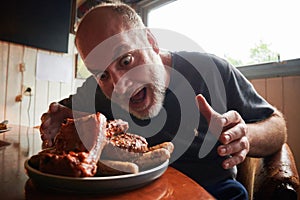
(243, 32)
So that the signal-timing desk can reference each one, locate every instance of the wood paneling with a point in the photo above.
(284, 93)
(30, 109)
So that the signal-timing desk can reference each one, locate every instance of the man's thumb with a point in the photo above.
(206, 110)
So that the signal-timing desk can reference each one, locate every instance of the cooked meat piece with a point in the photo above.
(3, 126)
(82, 134)
(165, 145)
(153, 158)
(131, 142)
(125, 147)
(115, 127)
(68, 164)
(111, 168)
(77, 148)
(128, 147)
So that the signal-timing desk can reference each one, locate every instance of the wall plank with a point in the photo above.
(41, 99)
(260, 86)
(28, 102)
(14, 76)
(3, 75)
(54, 92)
(65, 89)
(291, 95)
(274, 92)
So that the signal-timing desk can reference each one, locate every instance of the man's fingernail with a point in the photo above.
(227, 137)
(226, 165)
(223, 150)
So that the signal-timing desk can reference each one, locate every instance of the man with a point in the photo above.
(165, 92)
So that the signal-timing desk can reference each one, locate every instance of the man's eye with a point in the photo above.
(126, 60)
(102, 76)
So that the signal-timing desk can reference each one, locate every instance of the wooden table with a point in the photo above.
(25, 142)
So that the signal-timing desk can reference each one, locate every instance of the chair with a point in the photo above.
(272, 177)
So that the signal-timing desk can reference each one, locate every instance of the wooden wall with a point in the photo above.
(44, 92)
(284, 93)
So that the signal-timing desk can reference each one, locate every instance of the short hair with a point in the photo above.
(129, 15)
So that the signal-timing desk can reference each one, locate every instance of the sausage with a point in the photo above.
(166, 145)
(152, 158)
(112, 167)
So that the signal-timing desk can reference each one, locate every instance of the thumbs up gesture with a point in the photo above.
(233, 134)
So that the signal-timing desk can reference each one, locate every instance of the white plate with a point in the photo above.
(4, 130)
(106, 184)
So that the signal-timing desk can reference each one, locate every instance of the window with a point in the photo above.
(81, 71)
(243, 32)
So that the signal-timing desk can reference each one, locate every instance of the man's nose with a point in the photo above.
(121, 83)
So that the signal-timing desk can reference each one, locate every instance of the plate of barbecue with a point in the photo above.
(5, 130)
(3, 126)
(93, 155)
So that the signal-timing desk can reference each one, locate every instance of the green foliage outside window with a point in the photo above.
(260, 53)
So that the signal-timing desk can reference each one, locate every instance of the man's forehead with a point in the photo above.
(96, 26)
(115, 46)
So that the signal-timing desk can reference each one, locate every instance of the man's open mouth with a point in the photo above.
(139, 96)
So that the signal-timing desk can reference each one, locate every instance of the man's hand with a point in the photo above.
(233, 132)
(51, 122)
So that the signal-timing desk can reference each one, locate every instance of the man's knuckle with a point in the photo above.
(244, 128)
(243, 144)
(240, 158)
(235, 114)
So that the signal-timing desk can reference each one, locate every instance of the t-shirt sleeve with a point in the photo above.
(242, 96)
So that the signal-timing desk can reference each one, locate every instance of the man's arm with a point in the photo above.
(267, 136)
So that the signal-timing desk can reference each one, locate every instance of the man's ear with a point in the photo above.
(152, 40)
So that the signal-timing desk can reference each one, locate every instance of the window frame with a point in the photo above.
(256, 71)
